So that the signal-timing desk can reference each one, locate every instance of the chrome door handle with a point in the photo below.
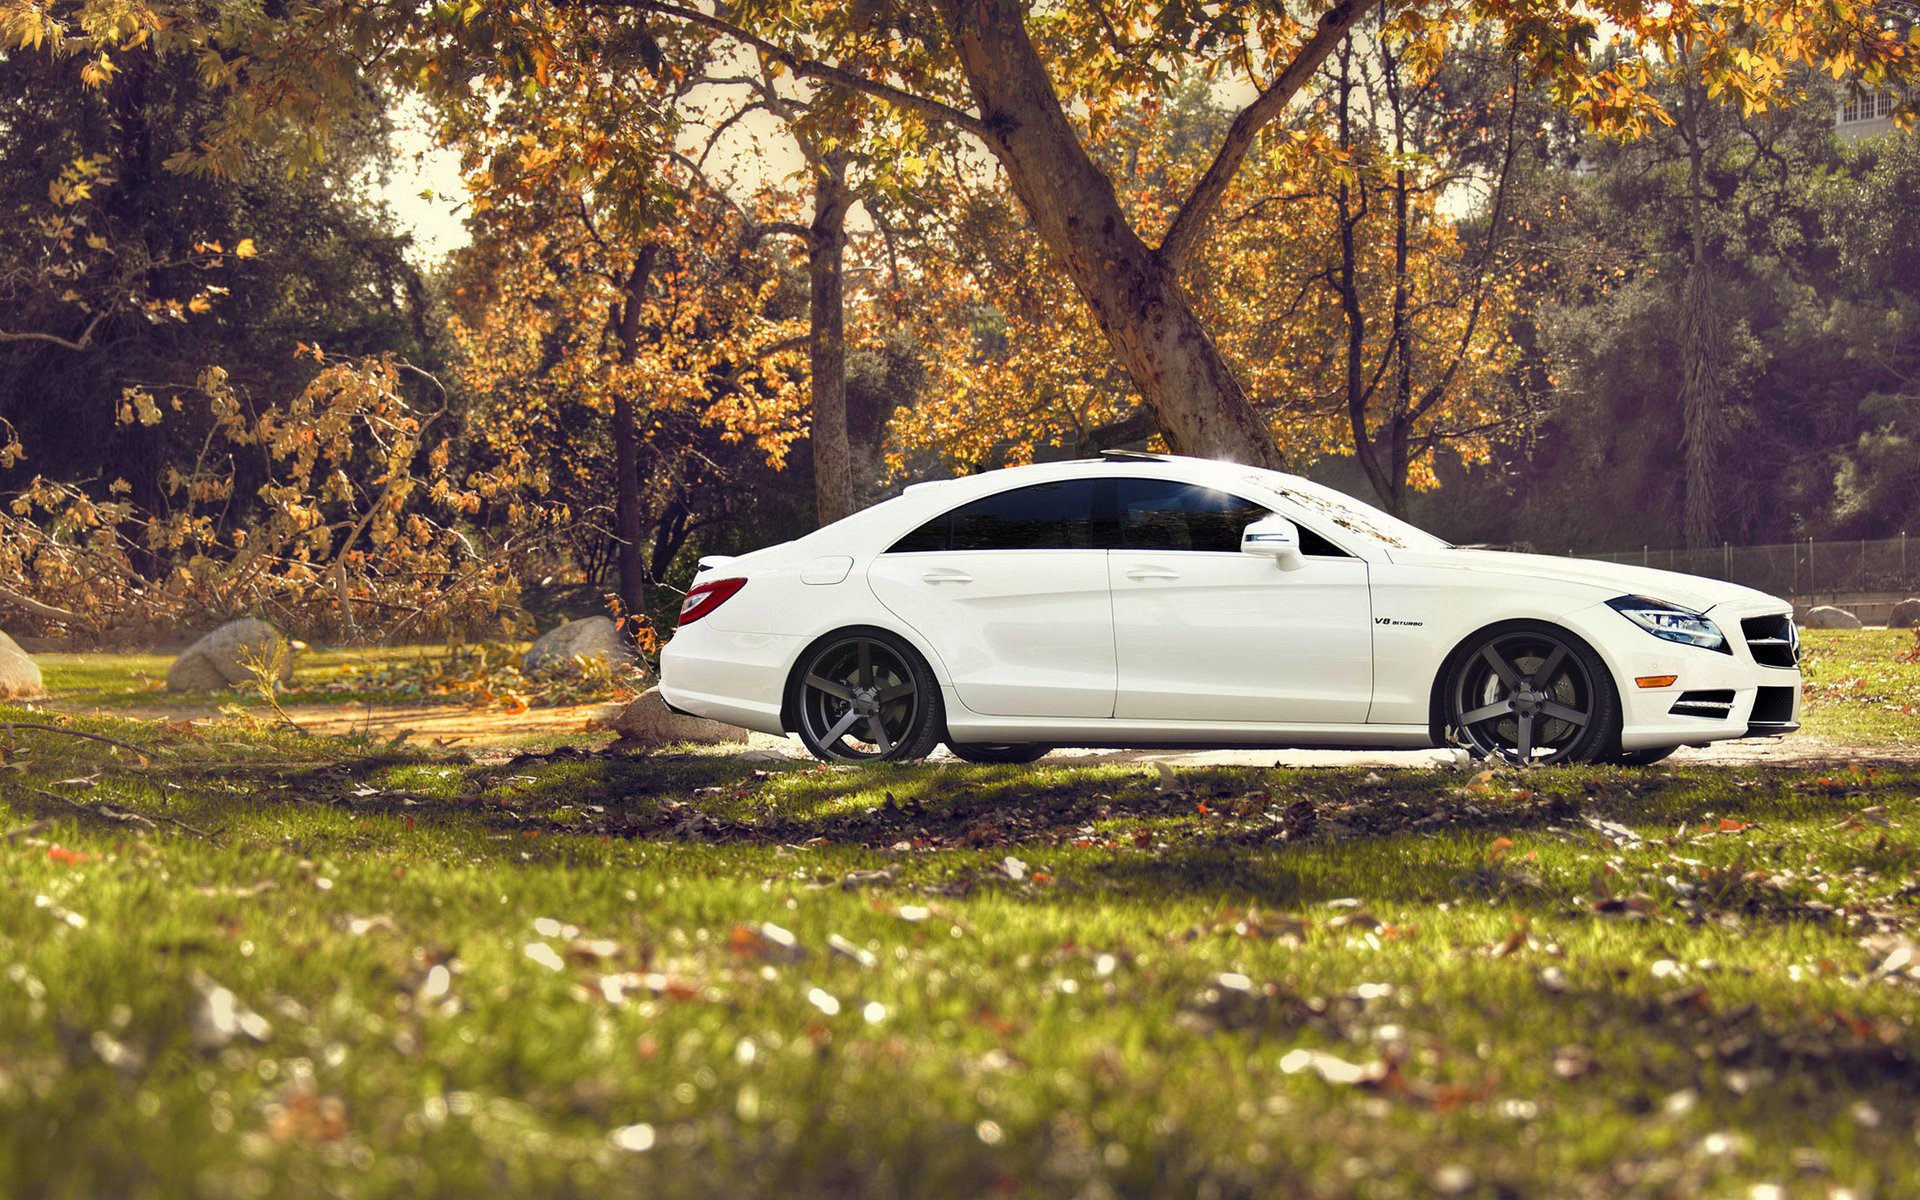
(1145, 573)
(947, 575)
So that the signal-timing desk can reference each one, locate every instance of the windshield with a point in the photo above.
(1348, 514)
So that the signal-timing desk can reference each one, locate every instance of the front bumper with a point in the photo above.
(1714, 696)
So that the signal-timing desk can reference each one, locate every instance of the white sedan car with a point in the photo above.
(1154, 601)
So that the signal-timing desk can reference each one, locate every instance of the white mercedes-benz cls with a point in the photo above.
(1154, 601)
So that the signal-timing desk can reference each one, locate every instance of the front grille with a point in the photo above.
(1773, 706)
(1773, 640)
(1713, 704)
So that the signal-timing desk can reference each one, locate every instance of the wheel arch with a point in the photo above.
(1436, 708)
(789, 693)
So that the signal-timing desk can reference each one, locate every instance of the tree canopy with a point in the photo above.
(1435, 244)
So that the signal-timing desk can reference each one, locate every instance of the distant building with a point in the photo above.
(1870, 114)
(1867, 114)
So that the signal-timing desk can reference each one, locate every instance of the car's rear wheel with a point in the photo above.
(1530, 693)
(866, 696)
(986, 752)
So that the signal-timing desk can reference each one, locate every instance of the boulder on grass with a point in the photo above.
(648, 721)
(19, 674)
(220, 659)
(1828, 617)
(1905, 615)
(592, 638)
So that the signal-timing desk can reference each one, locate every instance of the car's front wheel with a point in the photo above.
(866, 696)
(993, 752)
(1531, 693)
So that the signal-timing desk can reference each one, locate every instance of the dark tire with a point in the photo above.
(1528, 692)
(1641, 758)
(985, 752)
(864, 695)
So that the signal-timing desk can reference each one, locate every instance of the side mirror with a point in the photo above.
(1274, 537)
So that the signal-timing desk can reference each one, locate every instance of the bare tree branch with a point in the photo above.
(9, 596)
(1495, 218)
(77, 345)
(1191, 220)
(853, 81)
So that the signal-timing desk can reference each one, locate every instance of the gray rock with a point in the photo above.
(220, 659)
(647, 720)
(1905, 615)
(1828, 617)
(19, 674)
(592, 638)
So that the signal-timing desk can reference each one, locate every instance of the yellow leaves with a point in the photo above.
(97, 72)
(244, 248)
(138, 406)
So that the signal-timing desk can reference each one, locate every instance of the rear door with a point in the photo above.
(1204, 632)
(1011, 591)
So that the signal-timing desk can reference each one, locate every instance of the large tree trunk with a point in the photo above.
(1702, 351)
(1702, 398)
(629, 524)
(826, 246)
(1199, 406)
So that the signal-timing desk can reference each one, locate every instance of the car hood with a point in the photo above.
(1694, 591)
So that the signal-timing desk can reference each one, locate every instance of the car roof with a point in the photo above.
(1217, 472)
(872, 529)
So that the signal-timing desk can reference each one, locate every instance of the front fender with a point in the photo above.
(1422, 614)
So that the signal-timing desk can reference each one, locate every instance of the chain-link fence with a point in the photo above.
(1795, 569)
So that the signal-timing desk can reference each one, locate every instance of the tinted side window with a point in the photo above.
(1074, 515)
(1313, 545)
(931, 536)
(1162, 514)
(1046, 516)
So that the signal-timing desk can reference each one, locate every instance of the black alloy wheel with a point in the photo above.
(865, 696)
(1532, 694)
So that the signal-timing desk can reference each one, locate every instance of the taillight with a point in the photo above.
(703, 598)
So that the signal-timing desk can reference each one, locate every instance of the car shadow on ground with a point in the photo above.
(1198, 824)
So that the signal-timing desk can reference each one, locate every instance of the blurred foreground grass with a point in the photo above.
(261, 964)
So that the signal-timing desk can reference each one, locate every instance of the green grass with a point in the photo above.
(1255, 983)
(1857, 690)
(382, 675)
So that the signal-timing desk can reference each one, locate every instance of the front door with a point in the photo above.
(1011, 591)
(1204, 632)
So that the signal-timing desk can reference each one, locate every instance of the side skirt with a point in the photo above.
(1153, 735)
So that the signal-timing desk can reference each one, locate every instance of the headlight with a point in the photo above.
(1671, 622)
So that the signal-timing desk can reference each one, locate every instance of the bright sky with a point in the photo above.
(428, 199)
(425, 194)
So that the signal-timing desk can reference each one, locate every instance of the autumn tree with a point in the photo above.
(608, 284)
(823, 128)
(120, 270)
(1424, 348)
(1280, 281)
(981, 68)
